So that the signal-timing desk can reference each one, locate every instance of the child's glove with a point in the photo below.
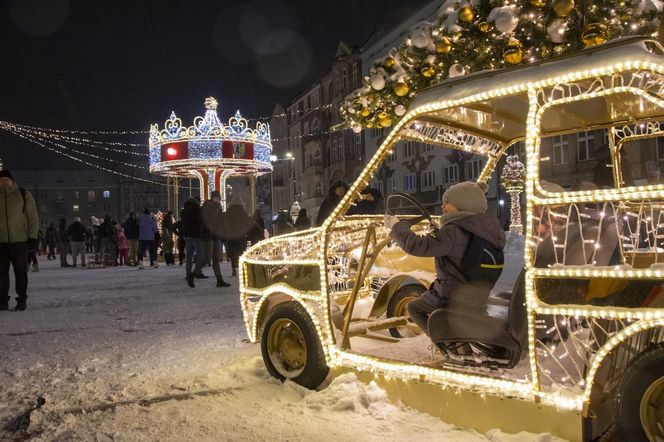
(390, 221)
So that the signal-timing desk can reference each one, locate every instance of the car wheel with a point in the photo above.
(398, 306)
(291, 348)
(640, 398)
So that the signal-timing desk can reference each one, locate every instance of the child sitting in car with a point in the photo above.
(464, 215)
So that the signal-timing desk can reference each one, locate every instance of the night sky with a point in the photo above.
(121, 65)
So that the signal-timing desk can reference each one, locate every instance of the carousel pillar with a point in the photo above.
(220, 177)
(173, 186)
(252, 187)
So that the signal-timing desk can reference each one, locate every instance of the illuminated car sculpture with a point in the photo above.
(548, 356)
(211, 151)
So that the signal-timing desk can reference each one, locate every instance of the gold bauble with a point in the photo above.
(385, 122)
(466, 14)
(401, 89)
(594, 34)
(563, 8)
(513, 52)
(428, 71)
(389, 62)
(538, 3)
(544, 51)
(369, 125)
(365, 112)
(382, 114)
(484, 26)
(443, 46)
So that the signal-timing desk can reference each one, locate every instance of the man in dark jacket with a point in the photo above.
(191, 231)
(370, 203)
(337, 191)
(19, 225)
(212, 234)
(51, 239)
(76, 233)
(130, 227)
(464, 214)
(109, 239)
(63, 242)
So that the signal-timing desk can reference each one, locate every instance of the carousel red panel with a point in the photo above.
(175, 151)
(234, 149)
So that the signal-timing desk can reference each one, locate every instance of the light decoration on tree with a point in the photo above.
(513, 179)
(210, 150)
(634, 67)
(474, 35)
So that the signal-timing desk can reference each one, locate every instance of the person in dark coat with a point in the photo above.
(130, 227)
(63, 242)
(177, 229)
(76, 233)
(51, 239)
(464, 210)
(147, 234)
(302, 222)
(108, 240)
(371, 203)
(256, 232)
(191, 231)
(212, 233)
(282, 225)
(337, 191)
(238, 223)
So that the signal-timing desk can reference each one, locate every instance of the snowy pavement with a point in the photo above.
(130, 355)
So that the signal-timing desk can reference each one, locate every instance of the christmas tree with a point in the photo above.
(475, 35)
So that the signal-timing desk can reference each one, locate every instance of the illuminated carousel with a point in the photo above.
(210, 151)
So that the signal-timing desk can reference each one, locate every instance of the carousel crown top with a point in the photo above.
(210, 143)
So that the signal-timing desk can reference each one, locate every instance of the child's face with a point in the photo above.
(448, 207)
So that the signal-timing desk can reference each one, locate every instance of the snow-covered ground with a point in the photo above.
(127, 354)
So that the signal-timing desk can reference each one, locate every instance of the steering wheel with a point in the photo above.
(424, 214)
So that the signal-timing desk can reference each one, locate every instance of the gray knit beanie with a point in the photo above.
(467, 196)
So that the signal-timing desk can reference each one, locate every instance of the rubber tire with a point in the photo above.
(402, 292)
(316, 370)
(642, 372)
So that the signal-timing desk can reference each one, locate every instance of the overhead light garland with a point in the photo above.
(475, 35)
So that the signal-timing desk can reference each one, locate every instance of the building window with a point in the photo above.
(75, 208)
(409, 183)
(585, 146)
(92, 195)
(409, 149)
(473, 169)
(107, 194)
(317, 158)
(391, 185)
(376, 132)
(357, 146)
(344, 78)
(354, 75)
(451, 174)
(428, 179)
(560, 149)
(392, 156)
(427, 147)
(59, 196)
(318, 190)
(77, 194)
(660, 147)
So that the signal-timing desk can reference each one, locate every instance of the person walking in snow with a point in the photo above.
(147, 232)
(130, 227)
(76, 234)
(177, 227)
(191, 232)
(63, 242)
(123, 248)
(19, 225)
(51, 238)
(212, 233)
(238, 223)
